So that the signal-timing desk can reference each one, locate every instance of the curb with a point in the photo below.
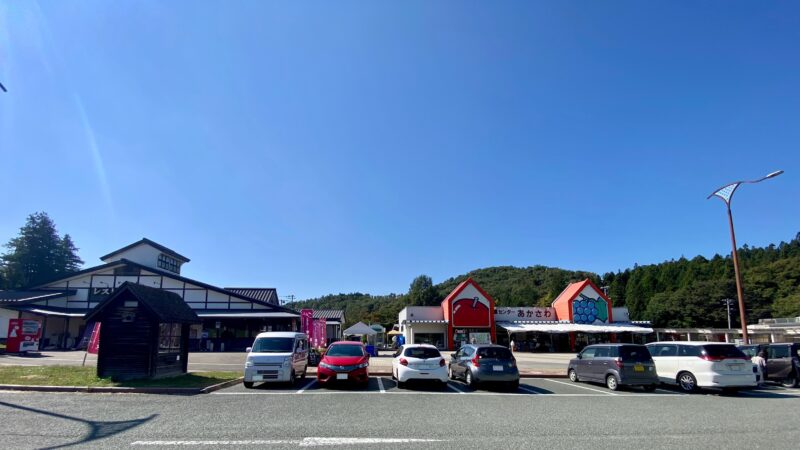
(224, 384)
(120, 390)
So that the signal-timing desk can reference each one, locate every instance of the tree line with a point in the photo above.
(676, 293)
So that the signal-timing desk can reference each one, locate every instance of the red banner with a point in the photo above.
(307, 323)
(320, 335)
(94, 341)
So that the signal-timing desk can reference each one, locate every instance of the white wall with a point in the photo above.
(6, 314)
(143, 254)
(422, 313)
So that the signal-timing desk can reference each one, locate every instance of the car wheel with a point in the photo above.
(687, 382)
(649, 387)
(450, 373)
(468, 379)
(248, 384)
(573, 376)
(292, 377)
(789, 382)
(611, 383)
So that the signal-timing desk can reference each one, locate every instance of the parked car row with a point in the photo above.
(688, 365)
(284, 357)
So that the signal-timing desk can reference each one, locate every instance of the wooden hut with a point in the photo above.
(144, 333)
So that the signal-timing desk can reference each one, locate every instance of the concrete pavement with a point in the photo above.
(544, 413)
(528, 363)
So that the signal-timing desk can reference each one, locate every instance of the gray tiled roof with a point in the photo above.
(329, 314)
(269, 295)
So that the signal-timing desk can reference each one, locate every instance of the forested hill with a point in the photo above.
(675, 293)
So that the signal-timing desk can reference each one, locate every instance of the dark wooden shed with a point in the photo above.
(144, 333)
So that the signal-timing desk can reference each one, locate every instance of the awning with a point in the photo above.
(18, 297)
(49, 310)
(246, 315)
(393, 333)
(558, 327)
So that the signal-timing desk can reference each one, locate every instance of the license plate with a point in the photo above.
(258, 377)
(735, 367)
(638, 368)
(497, 368)
(341, 376)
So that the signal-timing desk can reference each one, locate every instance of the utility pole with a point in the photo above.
(290, 298)
(728, 302)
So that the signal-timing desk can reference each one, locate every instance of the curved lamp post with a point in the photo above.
(726, 193)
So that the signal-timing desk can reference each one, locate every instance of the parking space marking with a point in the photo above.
(579, 386)
(529, 390)
(301, 390)
(380, 385)
(455, 388)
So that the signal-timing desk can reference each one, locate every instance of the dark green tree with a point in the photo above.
(38, 254)
(422, 293)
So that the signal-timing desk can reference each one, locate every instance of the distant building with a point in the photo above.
(334, 320)
(231, 317)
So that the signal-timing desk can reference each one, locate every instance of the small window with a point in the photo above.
(601, 352)
(778, 351)
(689, 350)
(169, 263)
(638, 353)
(588, 353)
(422, 353)
(169, 338)
(495, 353)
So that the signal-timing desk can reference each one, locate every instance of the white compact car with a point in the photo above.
(276, 356)
(418, 362)
(693, 365)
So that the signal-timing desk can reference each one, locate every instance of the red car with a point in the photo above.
(344, 361)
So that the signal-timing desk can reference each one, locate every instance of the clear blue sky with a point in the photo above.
(350, 146)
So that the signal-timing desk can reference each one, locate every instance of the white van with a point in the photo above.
(691, 365)
(276, 356)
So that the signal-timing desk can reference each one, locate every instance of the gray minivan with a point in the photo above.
(615, 365)
(276, 356)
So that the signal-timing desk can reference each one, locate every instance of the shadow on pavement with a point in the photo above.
(97, 429)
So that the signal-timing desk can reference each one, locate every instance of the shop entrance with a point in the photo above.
(463, 336)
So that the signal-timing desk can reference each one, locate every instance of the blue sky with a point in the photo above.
(350, 146)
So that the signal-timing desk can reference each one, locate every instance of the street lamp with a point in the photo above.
(726, 193)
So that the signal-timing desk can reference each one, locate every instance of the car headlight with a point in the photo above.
(286, 361)
(362, 365)
(248, 363)
(325, 365)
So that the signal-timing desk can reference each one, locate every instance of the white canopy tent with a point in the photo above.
(360, 329)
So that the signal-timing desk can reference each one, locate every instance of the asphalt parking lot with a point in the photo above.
(528, 387)
(543, 413)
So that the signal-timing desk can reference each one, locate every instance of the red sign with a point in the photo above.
(94, 341)
(471, 312)
(320, 333)
(23, 335)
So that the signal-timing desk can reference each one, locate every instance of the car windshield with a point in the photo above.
(495, 353)
(273, 345)
(344, 350)
(634, 353)
(422, 353)
(725, 351)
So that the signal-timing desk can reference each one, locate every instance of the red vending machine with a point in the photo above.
(23, 335)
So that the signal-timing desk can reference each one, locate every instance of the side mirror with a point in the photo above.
(248, 349)
(579, 356)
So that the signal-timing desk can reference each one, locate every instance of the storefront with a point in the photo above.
(581, 315)
(231, 317)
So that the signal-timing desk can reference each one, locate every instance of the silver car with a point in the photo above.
(276, 357)
(484, 364)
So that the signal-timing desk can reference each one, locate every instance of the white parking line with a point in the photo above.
(305, 442)
(380, 385)
(301, 390)
(529, 390)
(579, 386)
(455, 388)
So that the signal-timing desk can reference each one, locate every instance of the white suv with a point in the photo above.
(276, 356)
(692, 365)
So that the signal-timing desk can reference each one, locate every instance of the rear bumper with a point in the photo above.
(404, 374)
(325, 376)
(487, 375)
(725, 380)
(638, 381)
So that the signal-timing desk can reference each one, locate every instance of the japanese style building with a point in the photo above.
(231, 317)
